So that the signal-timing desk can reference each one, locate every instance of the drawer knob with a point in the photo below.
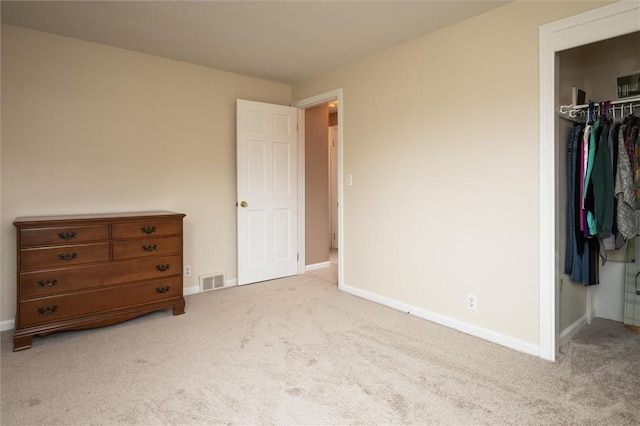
(148, 229)
(67, 236)
(162, 289)
(163, 267)
(48, 310)
(150, 247)
(47, 283)
(67, 257)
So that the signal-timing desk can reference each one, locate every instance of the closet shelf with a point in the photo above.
(628, 103)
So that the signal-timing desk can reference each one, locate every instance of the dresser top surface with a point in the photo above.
(26, 221)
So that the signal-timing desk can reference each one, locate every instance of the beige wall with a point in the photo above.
(441, 137)
(317, 231)
(90, 128)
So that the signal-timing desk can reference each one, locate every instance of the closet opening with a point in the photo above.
(598, 255)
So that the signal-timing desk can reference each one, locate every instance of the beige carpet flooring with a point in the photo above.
(298, 351)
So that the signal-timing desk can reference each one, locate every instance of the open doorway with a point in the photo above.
(579, 303)
(315, 196)
(317, 187)
(332, 146)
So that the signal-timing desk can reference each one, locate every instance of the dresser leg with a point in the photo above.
(21, 342)
(178, 308)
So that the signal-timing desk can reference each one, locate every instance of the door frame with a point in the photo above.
(323, 98)
(596, 25)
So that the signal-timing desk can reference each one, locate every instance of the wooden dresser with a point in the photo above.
(78, 272)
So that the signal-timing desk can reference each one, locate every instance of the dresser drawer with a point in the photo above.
(151, 228)
(92, 270)
(127, 249)
(54, 308)
(63, 235)
(46, 257)
(54, 281)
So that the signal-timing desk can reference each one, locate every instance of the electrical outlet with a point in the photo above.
(187, 271)
(472, 302)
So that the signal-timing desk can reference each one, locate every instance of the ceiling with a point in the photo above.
(282, 41)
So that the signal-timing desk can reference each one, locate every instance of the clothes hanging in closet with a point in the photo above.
(603, 191)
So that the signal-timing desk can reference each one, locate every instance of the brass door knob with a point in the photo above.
(244, 204)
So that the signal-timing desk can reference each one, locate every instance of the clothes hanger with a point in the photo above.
(607, 106)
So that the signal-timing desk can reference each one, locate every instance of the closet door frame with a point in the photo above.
(600, 24)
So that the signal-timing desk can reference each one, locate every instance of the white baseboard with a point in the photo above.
(318, 266)
(474, 330)
(7, 325)
(188, 291)
(570, 331)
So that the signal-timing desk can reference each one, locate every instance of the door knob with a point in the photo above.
(244, 204)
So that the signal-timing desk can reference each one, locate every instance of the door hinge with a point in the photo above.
(298, 257)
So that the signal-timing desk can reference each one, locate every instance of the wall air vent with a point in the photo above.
(212, 281)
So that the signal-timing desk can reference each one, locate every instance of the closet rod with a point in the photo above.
(572, 110)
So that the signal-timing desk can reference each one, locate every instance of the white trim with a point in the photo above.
(599, 24)
(188, 291)
(571, 331)
(474, 330)
(333, 95)
(546, 194)
(7, 325)
(320, 99)
(320, 265)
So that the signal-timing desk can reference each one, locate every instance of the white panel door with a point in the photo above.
(267, 153)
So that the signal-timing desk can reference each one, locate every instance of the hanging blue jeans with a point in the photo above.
(573, 262)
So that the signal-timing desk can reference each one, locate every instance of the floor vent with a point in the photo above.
(212, 281)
